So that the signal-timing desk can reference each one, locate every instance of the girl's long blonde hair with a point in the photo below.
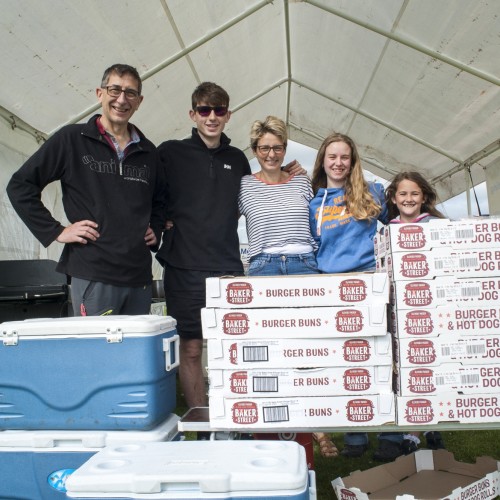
(359, 200)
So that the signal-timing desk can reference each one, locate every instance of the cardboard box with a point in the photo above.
(294, 322)
(445, 290)
(441, 262)
(309, 290)
(287, 382)
(438, 233)
(433, 475)
(448, 407)
(454, 320)
(448, 377)
(299, 353)
(379, 243)
(434, 351)
(266, 414)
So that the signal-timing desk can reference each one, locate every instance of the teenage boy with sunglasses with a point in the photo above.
(203, 174)
(112, 197)
(203, 180)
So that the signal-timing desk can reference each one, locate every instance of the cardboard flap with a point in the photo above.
(213, 287)
(380, 282)
(208, 318)
(215, 349)
(424, 460)
(386, 404)
(382, 476)
(383, 344)
(216, 408)
(378, 314)
(383, 374)
(445, 461)
(216, 378)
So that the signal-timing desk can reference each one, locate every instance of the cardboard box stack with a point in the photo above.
(298, 352)
(445, 318)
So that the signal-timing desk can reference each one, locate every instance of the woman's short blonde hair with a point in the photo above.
(271, 125)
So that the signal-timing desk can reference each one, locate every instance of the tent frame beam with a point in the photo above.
(408, 43)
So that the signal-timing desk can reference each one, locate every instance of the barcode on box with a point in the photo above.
(476, 349)
(265, 384)
(465, 292)
(464, 234)
(472, 291)
(255, 353)
(275, 414)
(469, 262)
(469, 379)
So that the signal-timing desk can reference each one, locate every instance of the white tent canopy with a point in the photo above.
(414, 82)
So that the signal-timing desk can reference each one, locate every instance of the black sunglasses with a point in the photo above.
(207, 110)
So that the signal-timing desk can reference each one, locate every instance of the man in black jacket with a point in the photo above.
(112, 197)
(203, 175)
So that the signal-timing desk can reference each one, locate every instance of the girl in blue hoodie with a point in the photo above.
(343, 217)
(345, 210)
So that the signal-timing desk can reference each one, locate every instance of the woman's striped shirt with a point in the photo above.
(276, 214)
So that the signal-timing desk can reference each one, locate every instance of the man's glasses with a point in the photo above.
(115, 91)
(207, 110)
(266, 149)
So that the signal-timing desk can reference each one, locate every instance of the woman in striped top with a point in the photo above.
(276, 207)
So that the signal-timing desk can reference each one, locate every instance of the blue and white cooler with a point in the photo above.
(34, 465)
(106, 373)
(216, 470)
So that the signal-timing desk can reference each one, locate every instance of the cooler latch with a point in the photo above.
(114, 335)
(10, 337)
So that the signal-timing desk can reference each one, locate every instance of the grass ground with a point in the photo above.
(465, 445)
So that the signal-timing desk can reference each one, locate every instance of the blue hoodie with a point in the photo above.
(344, 243)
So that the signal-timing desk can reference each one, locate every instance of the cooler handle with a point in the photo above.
(171, 346)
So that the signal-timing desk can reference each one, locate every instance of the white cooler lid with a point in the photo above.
(88, 326)
(192, 466)
(83, 441)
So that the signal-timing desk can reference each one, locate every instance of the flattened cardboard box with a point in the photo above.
(299, 353)
(438, 233)
(446, 349)
(301, 413)
(288, 382)
(469, 263)
(433, 475)
(448, 377)
(294, 322)
(445, 290)
(454, 320)
(298, 291)
(448, 407)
